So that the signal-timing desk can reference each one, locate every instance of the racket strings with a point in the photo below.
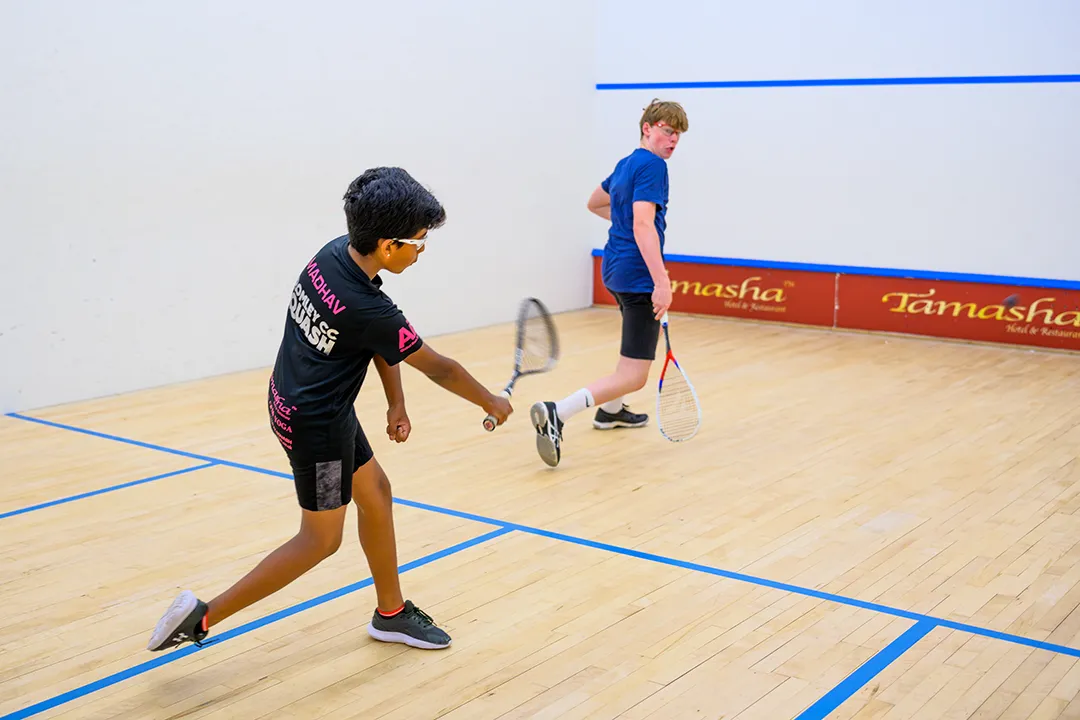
(677, 407)
(538, 345)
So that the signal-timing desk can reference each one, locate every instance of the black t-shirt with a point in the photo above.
(338, 320)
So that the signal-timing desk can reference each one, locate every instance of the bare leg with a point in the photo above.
(318, 539)
(393, 621)
(373, 498)
(630, 375)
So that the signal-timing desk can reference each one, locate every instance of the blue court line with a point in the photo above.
(753, 580)
(847, 82)
(1044, 283)
(150, 446)
(866, 672)
(186, 650)
(707, 569)
(111, 488)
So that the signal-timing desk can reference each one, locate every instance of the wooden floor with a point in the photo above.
(850, 498)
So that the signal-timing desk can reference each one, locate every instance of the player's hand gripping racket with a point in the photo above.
(678, 413)
(536, 347)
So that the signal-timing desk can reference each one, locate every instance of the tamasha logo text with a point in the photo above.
(748, 295)
(1038, 318)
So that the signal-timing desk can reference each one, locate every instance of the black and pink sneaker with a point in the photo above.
(411, 626)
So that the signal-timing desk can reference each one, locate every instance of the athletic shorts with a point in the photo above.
(640, 328)
(323, 457)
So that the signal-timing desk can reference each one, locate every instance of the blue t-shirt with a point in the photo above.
(641, 175)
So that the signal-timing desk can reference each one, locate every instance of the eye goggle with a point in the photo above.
(419, 243)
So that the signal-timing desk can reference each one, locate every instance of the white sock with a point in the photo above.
(574, 403)
(612, 406)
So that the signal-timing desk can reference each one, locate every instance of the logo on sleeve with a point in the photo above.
(407, 337)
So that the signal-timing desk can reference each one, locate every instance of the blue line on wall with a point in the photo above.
(873, 272)
(848, 82)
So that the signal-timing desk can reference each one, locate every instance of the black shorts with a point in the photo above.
(640, 328)
(323, 457)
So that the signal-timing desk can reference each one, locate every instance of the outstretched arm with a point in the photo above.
(450, 375)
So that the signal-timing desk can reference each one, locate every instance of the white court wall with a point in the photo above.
(168, 169)
(950, 178)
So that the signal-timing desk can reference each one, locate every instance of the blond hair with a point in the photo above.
(666, 111)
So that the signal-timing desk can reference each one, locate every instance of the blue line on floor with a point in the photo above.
(150, 446)
(236, 632)
(111, 488)
(742, 577)
(866, 672)
(763, 582)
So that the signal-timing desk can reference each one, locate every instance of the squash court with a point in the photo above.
(866, 526)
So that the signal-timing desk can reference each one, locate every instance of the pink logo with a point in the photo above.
(407, 337)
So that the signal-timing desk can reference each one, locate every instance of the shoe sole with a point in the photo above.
(395, 637)
(181, 607)
(617, 424)
(538, 413)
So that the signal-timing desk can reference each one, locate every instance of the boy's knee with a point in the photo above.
(384, 486)
(372, 490)
(323, 544)
(633, 374)
(329, 544)
(639, 378)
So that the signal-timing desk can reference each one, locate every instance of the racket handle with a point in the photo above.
(489, 421)
(663, 318)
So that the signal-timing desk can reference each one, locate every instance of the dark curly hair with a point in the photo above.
(386, 202)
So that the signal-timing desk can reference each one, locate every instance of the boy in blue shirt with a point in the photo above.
(634, 198)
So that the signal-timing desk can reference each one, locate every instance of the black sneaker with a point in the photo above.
(623, 418)
(184, 621)
(411, 626)
(545, 418)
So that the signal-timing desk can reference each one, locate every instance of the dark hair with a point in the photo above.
(386, 202)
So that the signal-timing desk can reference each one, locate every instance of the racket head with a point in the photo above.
(536, 346)
(678, 410)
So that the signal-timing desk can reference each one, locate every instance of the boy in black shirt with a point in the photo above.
(339, 321)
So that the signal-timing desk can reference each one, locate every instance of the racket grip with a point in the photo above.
(489, 421)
